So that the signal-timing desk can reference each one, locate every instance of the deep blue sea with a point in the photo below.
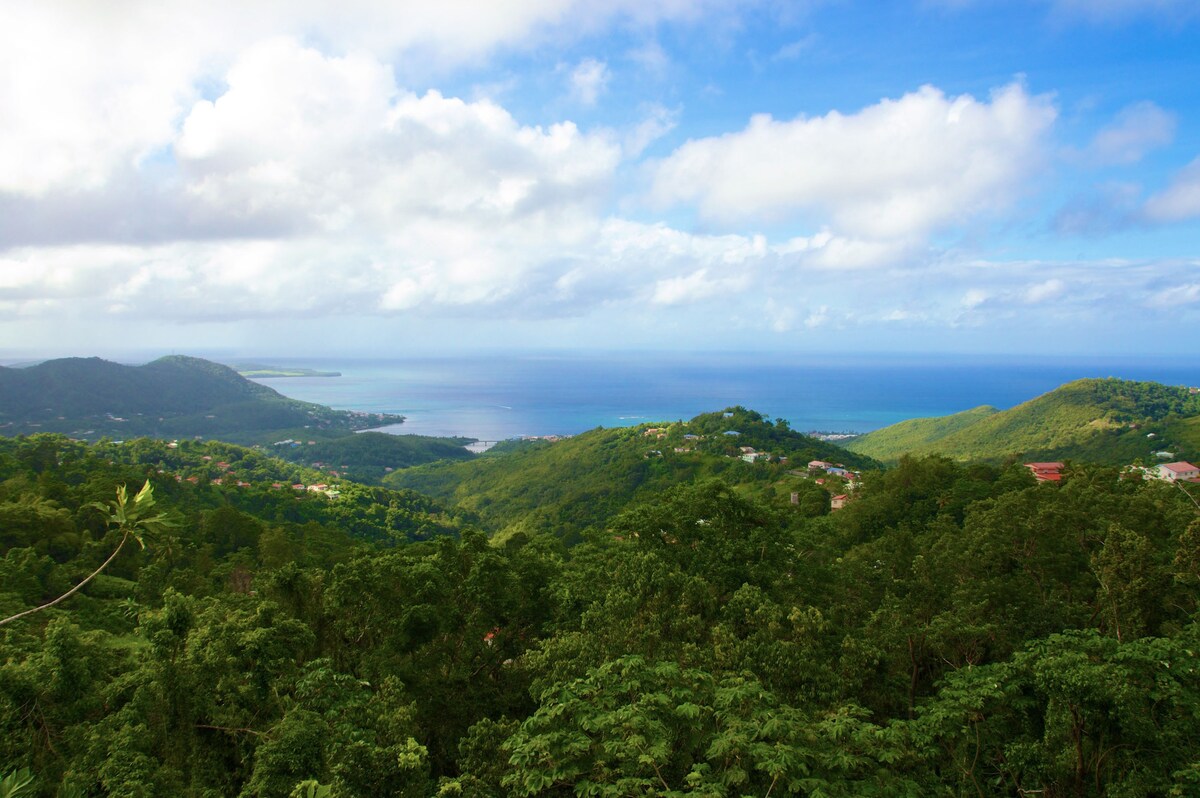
(495, 397)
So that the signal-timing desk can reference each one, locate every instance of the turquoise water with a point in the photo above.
(494, 397)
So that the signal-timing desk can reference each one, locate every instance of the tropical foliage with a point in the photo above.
(955, 630)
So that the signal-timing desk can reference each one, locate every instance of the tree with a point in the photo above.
(130, 518)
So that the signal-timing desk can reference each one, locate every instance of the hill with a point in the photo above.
(173, 396)
(1108, 421)
(570, 485)
(953, 630)
(368, 456)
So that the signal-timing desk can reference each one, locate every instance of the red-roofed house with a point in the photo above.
(838, 502)
(1174, 472)
(1046, 472)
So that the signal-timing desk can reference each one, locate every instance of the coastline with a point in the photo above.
(526, 395)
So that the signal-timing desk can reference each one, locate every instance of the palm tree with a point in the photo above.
(132, 519)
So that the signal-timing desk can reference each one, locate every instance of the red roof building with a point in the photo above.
(1176, 472)
(1046, 472)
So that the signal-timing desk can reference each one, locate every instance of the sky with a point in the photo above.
(363, 178)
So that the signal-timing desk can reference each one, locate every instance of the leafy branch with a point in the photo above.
(132, 519)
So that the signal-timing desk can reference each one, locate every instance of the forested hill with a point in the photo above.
(171, 396)
(953, 631)
(567, 486)
(1106, 421)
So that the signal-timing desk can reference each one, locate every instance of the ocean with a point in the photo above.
(495, 397)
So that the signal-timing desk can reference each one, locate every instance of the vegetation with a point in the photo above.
(569, 486)
(1106, 421)
(369, 456)
(955, 630)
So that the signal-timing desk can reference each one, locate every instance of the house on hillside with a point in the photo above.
(1178, 472)
(1046, 472)
(838, 502)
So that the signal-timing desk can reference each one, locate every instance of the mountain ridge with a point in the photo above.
(1103, 420)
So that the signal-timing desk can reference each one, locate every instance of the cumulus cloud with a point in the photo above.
(273, 165)
(80, 104)
(1180, 200)
(901, 168)
(334, 142)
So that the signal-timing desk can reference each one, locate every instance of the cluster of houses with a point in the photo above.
(837, 470)
(1180, 471)
(229, 480)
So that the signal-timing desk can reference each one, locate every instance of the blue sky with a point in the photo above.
(992, 176)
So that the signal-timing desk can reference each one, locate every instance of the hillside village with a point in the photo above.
(1181, 471)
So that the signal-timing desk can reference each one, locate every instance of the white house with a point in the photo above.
(1174, 472)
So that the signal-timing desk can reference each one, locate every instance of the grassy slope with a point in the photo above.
(1104, 421)
(889, 443)
(579, 482)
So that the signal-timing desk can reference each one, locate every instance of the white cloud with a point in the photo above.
(658, 122)
(333, 145)
(1176, 296)
(1044, 291)
(92, 89)
(779, 315)
(651, 59)
(975, 297)
(898, 169)
(694, 287)
(793, 50)
(817, 318)
(1180, 200)
(589, 79)
(1136, 130)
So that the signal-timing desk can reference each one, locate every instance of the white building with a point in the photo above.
(1174, 472)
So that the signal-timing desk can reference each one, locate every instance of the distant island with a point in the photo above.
(172, 397)
(259, 371)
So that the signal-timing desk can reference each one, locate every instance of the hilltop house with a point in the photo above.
(1177, 472)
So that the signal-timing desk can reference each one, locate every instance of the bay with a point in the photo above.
(499, 396)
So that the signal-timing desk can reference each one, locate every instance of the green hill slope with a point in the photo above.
(889, 443)
(1098, 420)
(368, 456)
(169, 397)
(582, 481)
